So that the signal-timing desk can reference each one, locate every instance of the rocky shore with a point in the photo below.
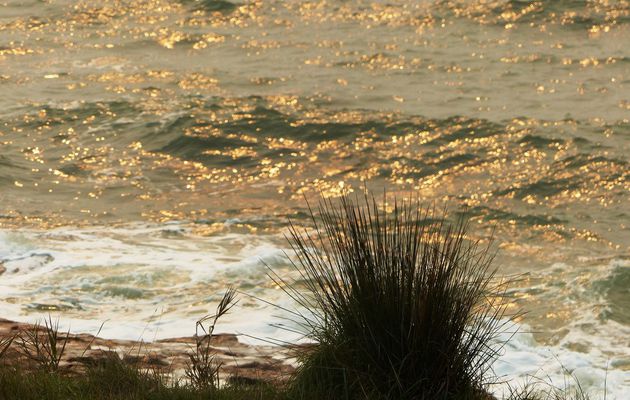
(239, 360)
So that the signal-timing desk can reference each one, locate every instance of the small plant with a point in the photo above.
(544, 389)
(45, 349)
(202, 370)
(401, 304)
(5, 344)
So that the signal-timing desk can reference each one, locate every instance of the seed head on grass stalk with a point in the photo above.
(202, 370)
(401, 304)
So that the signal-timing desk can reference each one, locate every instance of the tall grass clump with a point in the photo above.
(400, 303)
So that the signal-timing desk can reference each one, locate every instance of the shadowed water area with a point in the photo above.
(152, 151)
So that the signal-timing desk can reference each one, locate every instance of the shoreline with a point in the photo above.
(252, 363)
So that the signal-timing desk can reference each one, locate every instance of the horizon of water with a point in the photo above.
(152, 152)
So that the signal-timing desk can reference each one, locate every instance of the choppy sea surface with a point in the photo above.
(151, 152)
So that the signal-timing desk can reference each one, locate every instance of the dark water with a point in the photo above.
(151, 151)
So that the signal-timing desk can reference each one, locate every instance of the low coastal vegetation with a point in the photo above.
(398, 303)
(402, 304)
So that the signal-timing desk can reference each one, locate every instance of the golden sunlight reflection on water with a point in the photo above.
(223, 116)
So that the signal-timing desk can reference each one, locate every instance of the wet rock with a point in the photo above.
(239, 361)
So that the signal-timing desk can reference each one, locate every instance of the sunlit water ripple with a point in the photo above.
(152, 151)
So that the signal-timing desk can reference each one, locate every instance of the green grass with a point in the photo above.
(112, 379)
(46, 351)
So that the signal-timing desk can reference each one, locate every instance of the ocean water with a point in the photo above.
(152, 151)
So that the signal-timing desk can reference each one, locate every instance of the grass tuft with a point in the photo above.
(544, 389)
(401, 304)
(43, 345)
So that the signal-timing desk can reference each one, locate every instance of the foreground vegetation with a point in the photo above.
(401, 305)
(112, 380)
